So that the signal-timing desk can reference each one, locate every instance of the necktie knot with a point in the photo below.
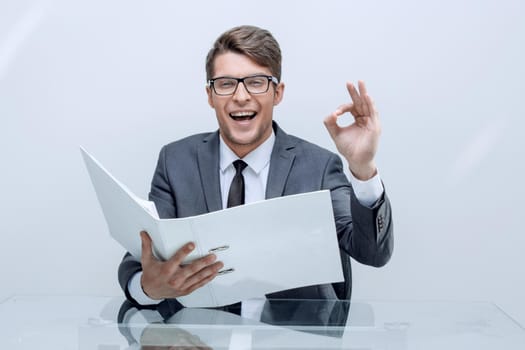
(239, 166)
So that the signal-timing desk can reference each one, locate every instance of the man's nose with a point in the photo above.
(241, 93)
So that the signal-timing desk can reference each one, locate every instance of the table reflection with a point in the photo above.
(298, 324)
(102, 323)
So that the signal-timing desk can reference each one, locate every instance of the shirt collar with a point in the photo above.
(256, 159)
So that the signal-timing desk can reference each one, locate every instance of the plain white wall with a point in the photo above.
(122, 78)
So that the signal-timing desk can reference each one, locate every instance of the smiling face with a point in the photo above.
(245, 120)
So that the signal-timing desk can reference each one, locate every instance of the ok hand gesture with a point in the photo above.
(358, 141)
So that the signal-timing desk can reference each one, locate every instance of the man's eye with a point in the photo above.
(224, 84)
(256, 82)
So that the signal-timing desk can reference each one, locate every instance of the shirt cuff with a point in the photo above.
(367, 192)
(136, 292)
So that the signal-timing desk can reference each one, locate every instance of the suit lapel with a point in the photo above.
(281, 161)
(208, 160)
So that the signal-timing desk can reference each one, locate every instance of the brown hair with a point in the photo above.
(254, 42)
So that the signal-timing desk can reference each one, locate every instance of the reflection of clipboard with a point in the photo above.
(267, 246)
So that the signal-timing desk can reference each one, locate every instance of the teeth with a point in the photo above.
(241, 114)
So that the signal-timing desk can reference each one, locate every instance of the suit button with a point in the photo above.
(380, 222)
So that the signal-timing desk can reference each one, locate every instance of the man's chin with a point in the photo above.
(242, 142)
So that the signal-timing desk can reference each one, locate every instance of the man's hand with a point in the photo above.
(170, 279)
(170, 337)
(357, 142)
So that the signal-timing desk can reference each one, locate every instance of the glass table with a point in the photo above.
(111, 323)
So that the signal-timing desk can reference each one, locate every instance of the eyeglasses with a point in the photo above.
(255, 84)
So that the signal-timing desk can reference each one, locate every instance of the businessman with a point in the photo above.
(251, 158)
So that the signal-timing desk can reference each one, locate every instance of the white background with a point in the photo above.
(122, 78)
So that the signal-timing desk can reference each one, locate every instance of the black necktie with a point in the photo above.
(236, 197)
(236, 194)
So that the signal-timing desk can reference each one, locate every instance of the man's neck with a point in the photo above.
(241, 150)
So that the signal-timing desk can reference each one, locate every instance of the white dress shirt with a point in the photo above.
(255, 179)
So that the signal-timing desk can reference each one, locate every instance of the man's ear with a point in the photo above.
(210, 98)
(278, 95)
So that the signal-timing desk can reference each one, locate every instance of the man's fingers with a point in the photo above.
(170, 278)
(365, 107)
(363, 104)
(146, 254)
(362, 87)
(356, 99)
(371, 106)
(198, 265)
(349, 108)
(192, 276)
(181, 254)
(352, 91)
(368, 107)
(199, 284)
(204, 273)
(175, 264)
(202, 277)
(330, 123)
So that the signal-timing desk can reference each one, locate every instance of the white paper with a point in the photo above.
(273, 245)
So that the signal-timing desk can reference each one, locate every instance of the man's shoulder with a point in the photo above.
(186, 150)
(306, 147)
(189, 142)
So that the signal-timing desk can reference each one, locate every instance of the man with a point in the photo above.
(193, 175)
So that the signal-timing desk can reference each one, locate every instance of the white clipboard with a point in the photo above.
(267, 246)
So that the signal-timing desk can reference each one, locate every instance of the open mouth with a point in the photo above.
(240, 116)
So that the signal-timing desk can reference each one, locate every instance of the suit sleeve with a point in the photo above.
(366, 234)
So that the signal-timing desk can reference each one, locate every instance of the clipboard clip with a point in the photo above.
(219, 249)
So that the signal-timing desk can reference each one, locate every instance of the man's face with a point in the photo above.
(245, 120)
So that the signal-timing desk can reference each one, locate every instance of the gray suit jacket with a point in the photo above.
(186, 183)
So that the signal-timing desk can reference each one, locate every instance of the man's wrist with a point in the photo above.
(367, 192)
(364, 172)
(137, 292)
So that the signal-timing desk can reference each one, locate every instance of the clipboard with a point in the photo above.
(266, 246)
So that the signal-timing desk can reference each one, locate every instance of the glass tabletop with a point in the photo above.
(111, 323)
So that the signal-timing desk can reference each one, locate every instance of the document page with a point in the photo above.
(267, 246)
